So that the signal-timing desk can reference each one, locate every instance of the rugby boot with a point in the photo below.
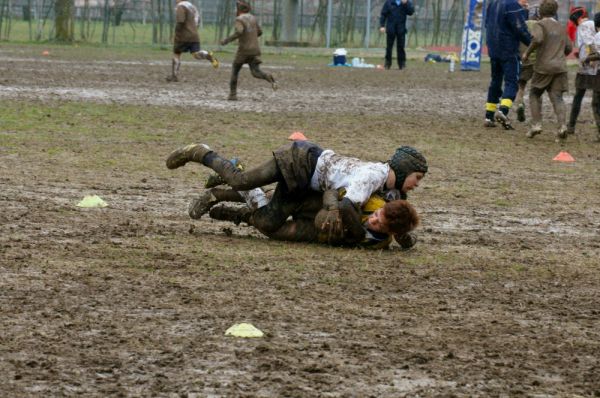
(188, 153)
(570, 129)
(271, 80)
(521, 113)
(503, 119)
(489, 123)
(232, 96)
(213, 60)
(215, 179)
(228, 213)
(202, 204)
(561, 134)
(534, 130)
(172, 79)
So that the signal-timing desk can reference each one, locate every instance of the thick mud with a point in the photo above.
(500, 297)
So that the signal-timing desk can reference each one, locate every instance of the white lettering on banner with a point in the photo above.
(473, 45)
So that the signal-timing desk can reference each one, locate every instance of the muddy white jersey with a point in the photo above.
(360, 179)
(585, 40)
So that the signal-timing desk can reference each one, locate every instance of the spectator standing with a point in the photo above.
(392, 22)
(505, 29)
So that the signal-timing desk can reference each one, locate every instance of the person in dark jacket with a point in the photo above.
(393, 22)
(505, 25)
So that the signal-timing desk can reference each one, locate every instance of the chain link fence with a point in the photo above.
(131, 22)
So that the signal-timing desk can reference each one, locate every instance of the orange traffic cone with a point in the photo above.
(564, 156)
(45, 52)
(297, 136)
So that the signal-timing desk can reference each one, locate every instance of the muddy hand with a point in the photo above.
(332, 225)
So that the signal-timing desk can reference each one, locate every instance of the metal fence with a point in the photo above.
(435, 22)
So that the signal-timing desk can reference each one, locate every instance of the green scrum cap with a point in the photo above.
(407, 160)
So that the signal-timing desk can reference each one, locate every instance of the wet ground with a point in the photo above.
(500, 296)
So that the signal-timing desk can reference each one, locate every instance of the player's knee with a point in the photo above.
(264, 222)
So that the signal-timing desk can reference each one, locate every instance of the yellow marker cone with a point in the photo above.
(92, 201)
(244, 330)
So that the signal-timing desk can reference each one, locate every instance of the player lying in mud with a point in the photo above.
(373, 227)
(301, 168)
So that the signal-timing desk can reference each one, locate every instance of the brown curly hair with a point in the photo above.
(401, 217)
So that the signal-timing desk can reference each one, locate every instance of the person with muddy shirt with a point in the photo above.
(186, 38)
(551, 44)
(301, 167)
(373, 229)
(247, 31)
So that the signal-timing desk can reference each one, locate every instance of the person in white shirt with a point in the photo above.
(586, 75)
(301, 167)
(594, 58)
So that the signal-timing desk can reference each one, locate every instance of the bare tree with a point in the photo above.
(64, 20)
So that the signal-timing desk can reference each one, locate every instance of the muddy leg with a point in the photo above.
(239, 180)
(259, 74)
(558, 104)
(175, 64)
(233, 81)
(575, 109)
(302, 230)
(271, 217)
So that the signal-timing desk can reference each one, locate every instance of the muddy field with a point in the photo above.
(500, 297)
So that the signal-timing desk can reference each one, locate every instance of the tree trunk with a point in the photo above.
(63, 20)
(2, 7)
(106, 21)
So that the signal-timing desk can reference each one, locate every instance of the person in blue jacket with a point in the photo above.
(505, 24)
(393, 22)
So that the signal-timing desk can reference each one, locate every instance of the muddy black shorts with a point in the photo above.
(297, 162)
(184, 47)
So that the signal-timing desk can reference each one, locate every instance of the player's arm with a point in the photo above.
(239, 29)
(516, 19)
(537, 39)
(339, 220)
(329, 218)
(383, 17)
(568, 47)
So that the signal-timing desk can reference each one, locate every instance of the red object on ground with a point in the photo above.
(564, 156)
(297, 136)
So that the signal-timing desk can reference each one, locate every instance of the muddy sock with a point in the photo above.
(504, 109)
(227, 195)
(489, 115)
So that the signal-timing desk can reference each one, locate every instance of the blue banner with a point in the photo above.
(470, 55)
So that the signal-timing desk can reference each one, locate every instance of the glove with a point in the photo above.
(406, 241)
(329, 223)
